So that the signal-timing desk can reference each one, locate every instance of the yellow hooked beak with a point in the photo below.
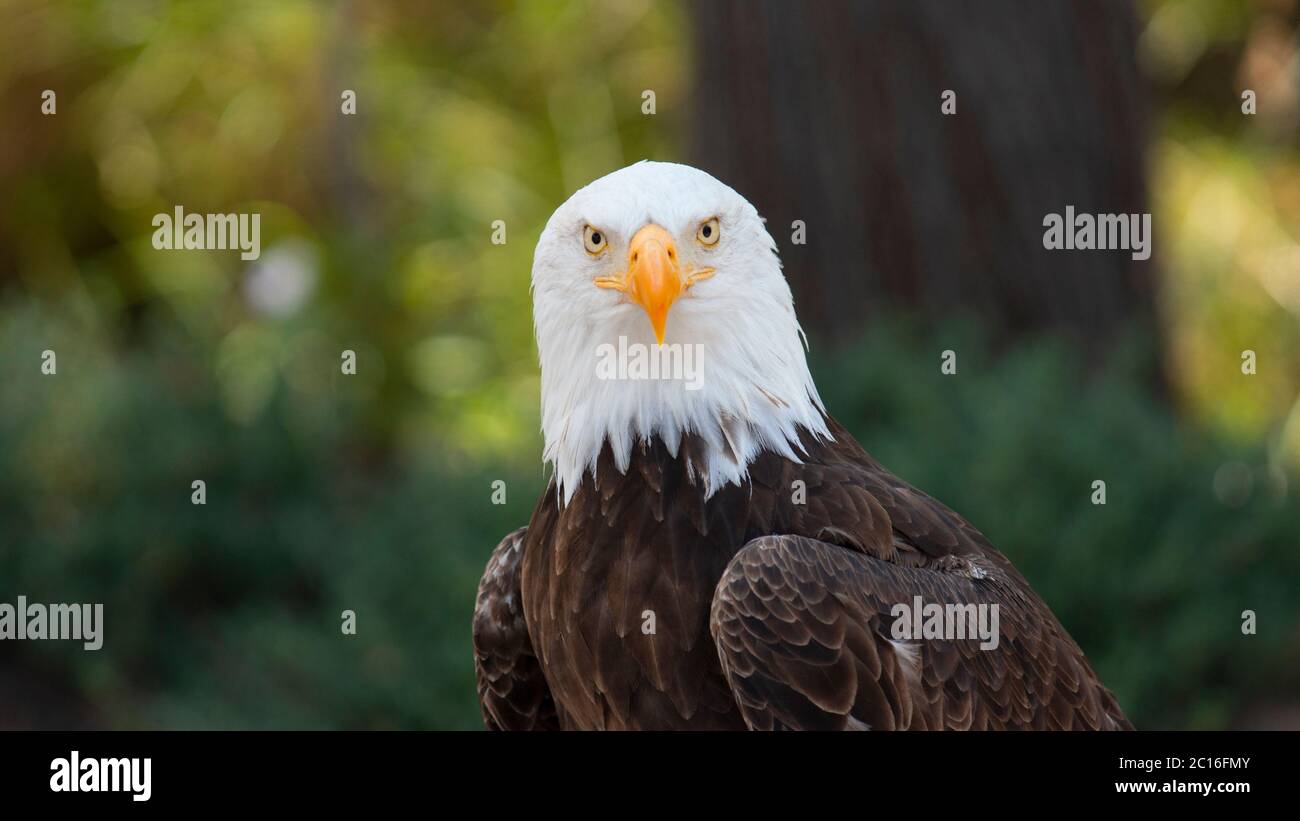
(654, 278)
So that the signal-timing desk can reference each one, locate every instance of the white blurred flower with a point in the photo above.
(283, 279)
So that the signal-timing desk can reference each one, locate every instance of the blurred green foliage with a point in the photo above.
(228, 615)
(1225, 191)
(380, 221)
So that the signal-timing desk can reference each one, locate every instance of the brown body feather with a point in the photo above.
(768, 611)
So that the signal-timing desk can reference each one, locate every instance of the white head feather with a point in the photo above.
(756, 390)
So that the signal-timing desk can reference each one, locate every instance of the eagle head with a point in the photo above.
(661, 311)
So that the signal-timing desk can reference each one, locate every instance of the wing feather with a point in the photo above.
(512, 689)
(803, 631)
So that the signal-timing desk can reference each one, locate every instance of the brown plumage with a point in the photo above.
(768, 613)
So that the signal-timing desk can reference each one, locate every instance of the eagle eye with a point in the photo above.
(594, 240)
(709, 232)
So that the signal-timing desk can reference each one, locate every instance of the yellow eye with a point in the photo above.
(594, 240)
(709, 232)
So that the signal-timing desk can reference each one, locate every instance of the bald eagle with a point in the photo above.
(719, 552)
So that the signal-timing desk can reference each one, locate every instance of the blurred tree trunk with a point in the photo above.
(829, 112)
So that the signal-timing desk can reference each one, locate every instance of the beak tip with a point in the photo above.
(659, 325)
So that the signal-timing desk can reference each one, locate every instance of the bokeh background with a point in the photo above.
(372, 492)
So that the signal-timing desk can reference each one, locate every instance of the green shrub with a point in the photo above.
(228, 615)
